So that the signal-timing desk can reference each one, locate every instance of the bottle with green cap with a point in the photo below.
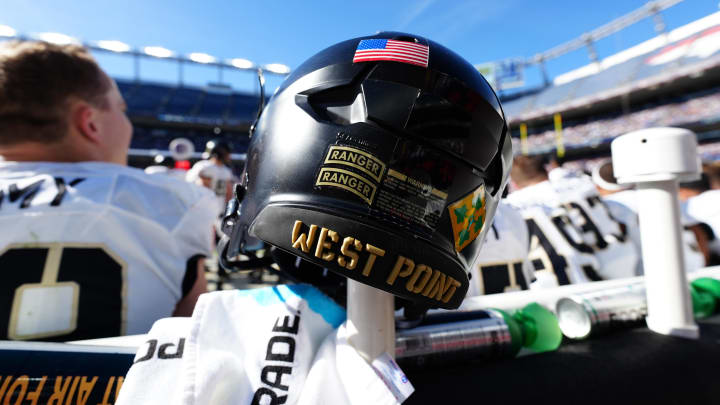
(541, 330)
(456, 336)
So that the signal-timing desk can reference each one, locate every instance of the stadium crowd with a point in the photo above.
(680, 112)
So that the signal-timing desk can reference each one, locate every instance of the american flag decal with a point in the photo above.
(392, 50)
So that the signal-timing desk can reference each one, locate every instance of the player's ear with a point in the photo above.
(83, 120)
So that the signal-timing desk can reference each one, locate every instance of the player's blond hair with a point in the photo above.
(37, 82)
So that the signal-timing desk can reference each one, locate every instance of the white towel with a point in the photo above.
(276, 345)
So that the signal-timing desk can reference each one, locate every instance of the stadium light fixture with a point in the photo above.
(7, 31)
(200, 57)
(57, 38)
(278, 68)
(158, 51)
(114, 46)
(241, 63)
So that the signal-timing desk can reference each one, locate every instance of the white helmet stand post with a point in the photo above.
(655, 160)
(370, 320)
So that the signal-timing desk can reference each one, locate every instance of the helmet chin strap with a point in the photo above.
(226, 258)
(232, 231)
(261, 103)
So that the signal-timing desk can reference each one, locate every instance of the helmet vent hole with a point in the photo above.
(405, 38)
(342, 105)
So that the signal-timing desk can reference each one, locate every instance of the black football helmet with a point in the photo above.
(383, 166)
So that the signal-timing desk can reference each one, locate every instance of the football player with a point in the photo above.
(604, 232)
(89, 247)
(572, 210)
(213, 172)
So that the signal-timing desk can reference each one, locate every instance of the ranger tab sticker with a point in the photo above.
(359, 159)
(360, 173)
(354, 183)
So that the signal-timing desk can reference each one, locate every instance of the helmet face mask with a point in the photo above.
(384, 172)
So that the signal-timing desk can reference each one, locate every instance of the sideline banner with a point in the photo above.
(54, 373)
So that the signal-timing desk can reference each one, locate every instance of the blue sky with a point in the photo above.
(290, 31)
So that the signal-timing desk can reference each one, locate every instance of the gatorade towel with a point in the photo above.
(254, 347)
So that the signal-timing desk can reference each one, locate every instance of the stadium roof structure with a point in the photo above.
(688, 52)
(155, 52)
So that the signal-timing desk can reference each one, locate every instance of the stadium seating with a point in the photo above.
(183, 101)
(691, 52)
(204, 110)
(188, 104)
(215, 106)
(146, 99)
(701, 107)
(698, 43)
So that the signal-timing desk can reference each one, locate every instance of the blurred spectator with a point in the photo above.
(213, 172)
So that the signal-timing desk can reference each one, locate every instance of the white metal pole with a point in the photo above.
(655, 160)
(371, 320)
(669, 305)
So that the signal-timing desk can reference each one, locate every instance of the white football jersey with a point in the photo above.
(625, 215)
(606, 234)
(556, 252)
(560, 173)
(220, 177)
(542, 193)
(596, 231)
(95, 249)
(502, 264)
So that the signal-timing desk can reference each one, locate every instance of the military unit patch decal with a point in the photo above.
(467, 217)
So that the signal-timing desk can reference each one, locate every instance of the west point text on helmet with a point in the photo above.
(421, 278)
